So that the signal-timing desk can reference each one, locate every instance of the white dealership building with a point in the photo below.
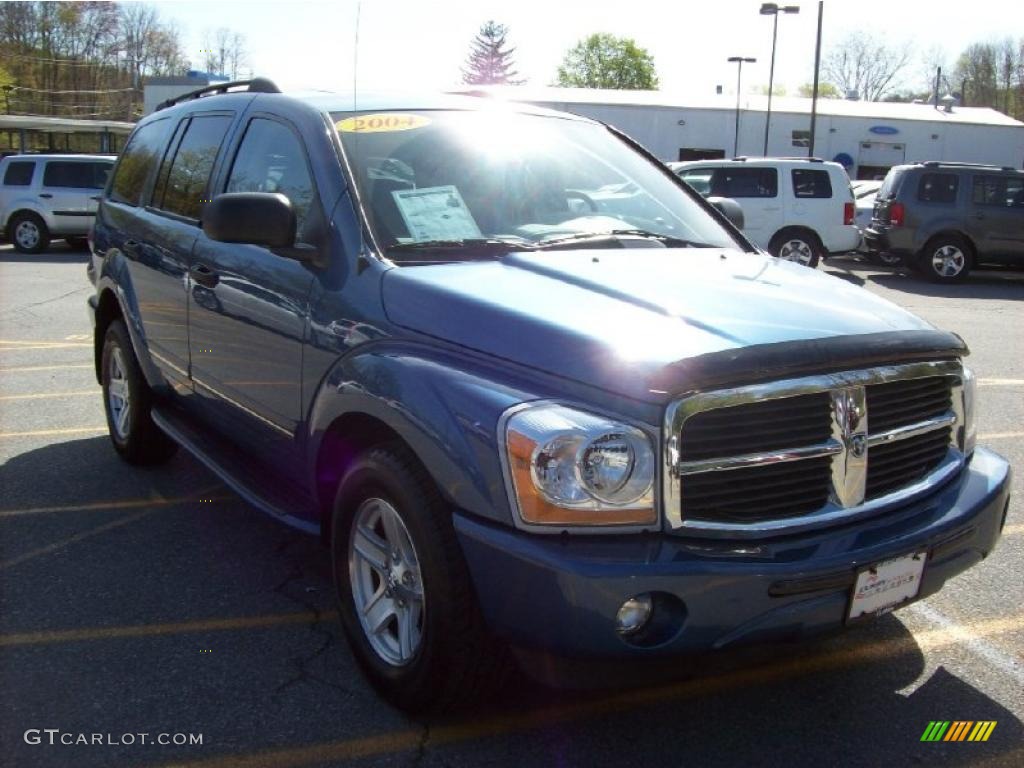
(867, 137)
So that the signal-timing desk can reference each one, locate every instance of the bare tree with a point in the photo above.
(224, 52)
(977, 70)
(863, 63)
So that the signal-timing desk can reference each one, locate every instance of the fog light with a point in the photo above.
(633, 614)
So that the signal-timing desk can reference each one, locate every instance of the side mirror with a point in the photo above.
(256, 218)
(730, 209)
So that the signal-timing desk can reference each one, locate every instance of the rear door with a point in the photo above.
(815, 203)
(71, 190)
(756, 189)
(996, 219)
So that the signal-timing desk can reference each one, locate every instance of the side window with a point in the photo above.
(73, 175)
(937, 188)
(19, 173)
(999, 191)
(699, 179)
(183, 190)
(745, 182)
(272, 159)
(137, 161)
(808, 183)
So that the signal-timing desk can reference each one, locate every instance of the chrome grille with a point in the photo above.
(805, 452)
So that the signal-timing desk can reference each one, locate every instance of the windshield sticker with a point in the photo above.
(381, 123)
(436, 213)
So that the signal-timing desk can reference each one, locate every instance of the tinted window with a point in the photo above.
(190, 169)
(19, 174)
(937, 188)
(807, 183)
(1000, 191)
(891, 184)
(699, 179)
(272, 159)
(77, 175)
(137, 161)
(745, 182)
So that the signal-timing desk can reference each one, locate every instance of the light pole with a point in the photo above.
(739, 60)
(773, 9)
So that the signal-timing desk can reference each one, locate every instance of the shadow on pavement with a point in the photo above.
(59, 252)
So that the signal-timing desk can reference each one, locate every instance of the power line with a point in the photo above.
(45, 90)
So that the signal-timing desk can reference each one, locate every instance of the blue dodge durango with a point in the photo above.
(535, 395)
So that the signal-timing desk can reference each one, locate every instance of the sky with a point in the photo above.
(422, 44)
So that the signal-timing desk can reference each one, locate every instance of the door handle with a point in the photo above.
(131, 247)
(205, 276)
(45, 195)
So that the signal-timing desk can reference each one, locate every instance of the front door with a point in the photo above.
(249, 306)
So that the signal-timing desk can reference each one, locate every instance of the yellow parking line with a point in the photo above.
(1000, 435)
(32, 368)
(108, 505)
(9, 347)
(545, 717)
(1001, 382)
(48, 432)
(149, 630)
(1013, 530)
(18, 559)
(48, 395)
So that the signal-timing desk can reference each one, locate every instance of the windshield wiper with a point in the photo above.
(489, 245)
(667, 240)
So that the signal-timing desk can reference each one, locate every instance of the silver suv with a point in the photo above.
(45, 196)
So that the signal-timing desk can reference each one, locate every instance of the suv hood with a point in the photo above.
(634, 321)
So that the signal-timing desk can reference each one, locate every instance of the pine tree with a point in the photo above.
(489, 62)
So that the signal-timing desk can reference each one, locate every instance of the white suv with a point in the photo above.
(42, 196)
(797, 209)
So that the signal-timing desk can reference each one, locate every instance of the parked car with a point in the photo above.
(864, 193)
(43, 196)
(532, 391)
(798, 209)
(942, 219)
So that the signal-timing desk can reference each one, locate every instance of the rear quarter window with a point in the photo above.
(811, 183)
(138, 160)
(891, 185)
(937, 188)
(19, 173)
(75, 174)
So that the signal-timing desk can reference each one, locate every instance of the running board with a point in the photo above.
(235, 469)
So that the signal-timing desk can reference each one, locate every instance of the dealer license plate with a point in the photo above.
(883, 586)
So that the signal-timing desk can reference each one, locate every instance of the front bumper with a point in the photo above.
(560, 594)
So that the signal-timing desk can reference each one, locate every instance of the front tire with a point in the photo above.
(404, 593)
(797, 246)
(128, 400)
(946, 259)
(28, 233)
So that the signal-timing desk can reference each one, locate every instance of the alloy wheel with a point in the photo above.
(387, 586)
(796, 250)
(118, 393)
(948, 261)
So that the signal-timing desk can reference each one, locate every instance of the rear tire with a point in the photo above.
(946, 259)
(28, 232)
(128, 401)
(798, 245)
(419, 580)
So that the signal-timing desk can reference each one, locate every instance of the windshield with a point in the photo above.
(451, 178)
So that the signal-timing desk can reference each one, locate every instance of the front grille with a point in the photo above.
(757, 456)
(899, 403)
(764, 492)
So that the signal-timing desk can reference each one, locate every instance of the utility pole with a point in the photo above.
(739, 61)
(817, 69)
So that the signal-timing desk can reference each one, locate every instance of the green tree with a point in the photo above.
(825, 91)
(489, 61)
(606, 61)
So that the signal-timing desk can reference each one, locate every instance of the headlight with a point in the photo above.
(568, 467)
(970, 397)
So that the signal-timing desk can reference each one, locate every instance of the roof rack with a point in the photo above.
(944, 163)
(744, 158)
(256, 85)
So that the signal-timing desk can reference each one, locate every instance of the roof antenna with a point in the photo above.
(355, 56)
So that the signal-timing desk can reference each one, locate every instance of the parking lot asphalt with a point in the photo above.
(156, 601)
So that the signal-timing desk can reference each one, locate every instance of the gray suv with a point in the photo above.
(942, 219)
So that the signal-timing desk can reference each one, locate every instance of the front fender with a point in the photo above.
(444, 406)
(115, 278)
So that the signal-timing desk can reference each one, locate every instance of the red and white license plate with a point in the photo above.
(883, 586)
